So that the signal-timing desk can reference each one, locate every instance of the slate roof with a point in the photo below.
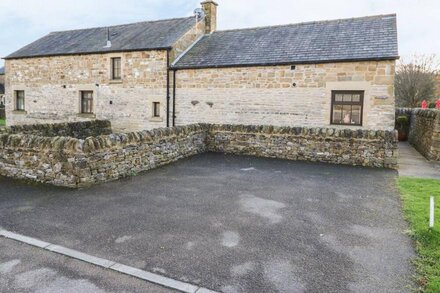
(2, 70)
(149, 35)
(365, 38)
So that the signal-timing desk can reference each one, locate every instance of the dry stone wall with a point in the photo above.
(79, 130)
(76, 162)
(424, 132)
(72, 162)
(337, 146)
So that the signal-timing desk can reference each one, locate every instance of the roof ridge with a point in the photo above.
(309, 22)
(120, 25)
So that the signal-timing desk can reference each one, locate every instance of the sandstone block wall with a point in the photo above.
(267, 95)
(52, 87)
(74, 162)
(79, 130)
(424, 132)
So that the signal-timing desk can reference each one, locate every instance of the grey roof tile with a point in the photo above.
(147, 35)
(365, 38)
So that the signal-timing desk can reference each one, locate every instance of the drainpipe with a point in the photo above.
(174, 97)
(168, 87)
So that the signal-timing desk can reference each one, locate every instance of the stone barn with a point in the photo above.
(336, 73)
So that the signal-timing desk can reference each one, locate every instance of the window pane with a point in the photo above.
(338, 97)
(116, 68)
(356, 98)
(347, 98)
(346, 114)
(356, 115)
(347, 108)
(156, 109)
(19, 96)
(87, 102)
(337, 114)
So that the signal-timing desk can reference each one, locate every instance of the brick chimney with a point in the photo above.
(210, 9)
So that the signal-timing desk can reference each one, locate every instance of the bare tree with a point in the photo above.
(415, 81)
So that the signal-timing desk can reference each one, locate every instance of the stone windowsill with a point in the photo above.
(346, 126)
(115, 81)
(19, 112)
(156, 119)
(86, 115)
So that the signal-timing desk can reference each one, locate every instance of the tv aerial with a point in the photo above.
(199, 13)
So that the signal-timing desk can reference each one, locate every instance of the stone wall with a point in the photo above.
(73, 162)
(282, 95)
(79, 130)
(337, 146)
(52, 88)
(424, 132)
(2, 80)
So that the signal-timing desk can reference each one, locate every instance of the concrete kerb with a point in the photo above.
(107, 264)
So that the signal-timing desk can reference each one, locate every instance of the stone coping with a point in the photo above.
(81, 129)
(429, 113)
(110, 141)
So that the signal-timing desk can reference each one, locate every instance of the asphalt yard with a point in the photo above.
(227, 223)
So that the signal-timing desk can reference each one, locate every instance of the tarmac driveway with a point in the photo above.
(232, 224)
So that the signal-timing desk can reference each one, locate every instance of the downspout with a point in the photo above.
(174, 96)
(168, 87)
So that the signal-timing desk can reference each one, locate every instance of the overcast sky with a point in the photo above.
(23, 21)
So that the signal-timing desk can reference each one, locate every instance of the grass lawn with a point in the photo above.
(415, 193)
(2, 122)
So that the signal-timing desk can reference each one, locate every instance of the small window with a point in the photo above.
(19, 100)
(347, 107)
(116, 68)
(87, 102)
(156, 109)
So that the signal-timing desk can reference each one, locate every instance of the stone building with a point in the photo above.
(337, 73)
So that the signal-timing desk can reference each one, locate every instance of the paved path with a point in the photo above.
(24, 268)
(232, 224)
(413, 164)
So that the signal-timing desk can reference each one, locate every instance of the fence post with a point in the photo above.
(431, 212)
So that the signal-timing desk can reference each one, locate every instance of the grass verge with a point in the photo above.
(415, 194)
